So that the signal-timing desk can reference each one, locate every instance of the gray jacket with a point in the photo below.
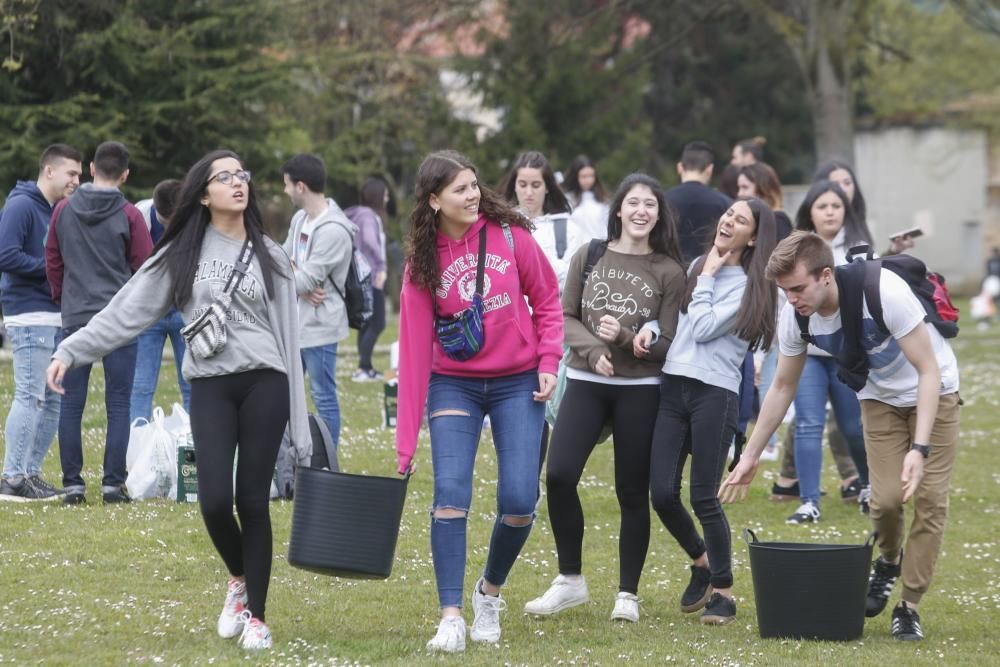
(262, 332)
(327, 256)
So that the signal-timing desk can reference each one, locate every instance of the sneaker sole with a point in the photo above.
(795, 522)
(483, 639)
(700, 604)
(717, 620)
(781, 497)
(624, 617)
(562, 607)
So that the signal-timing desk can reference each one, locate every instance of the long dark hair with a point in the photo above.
(182, 240)
(571, 186)
(373, 195)
(435, 173)
(755, 322)
(663, 237)
(858, 203)
(555, 200)
(855, 230)
(765, 179)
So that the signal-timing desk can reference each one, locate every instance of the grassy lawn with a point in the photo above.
(142, 584)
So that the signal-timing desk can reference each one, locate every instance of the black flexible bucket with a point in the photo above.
(810, 591)
(345, 525)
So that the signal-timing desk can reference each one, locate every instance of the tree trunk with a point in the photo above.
(828, 71)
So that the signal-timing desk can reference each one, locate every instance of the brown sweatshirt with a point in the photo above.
(634, 289)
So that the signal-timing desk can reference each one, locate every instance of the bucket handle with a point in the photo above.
(749, 536)
(871, 538)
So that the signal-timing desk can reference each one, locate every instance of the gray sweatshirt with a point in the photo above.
(322, 261)
(261, 333)
(705, 346)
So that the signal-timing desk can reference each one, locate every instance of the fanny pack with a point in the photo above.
(462, 336)
(206, 335)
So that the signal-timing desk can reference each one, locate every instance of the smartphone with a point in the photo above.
(912, 232)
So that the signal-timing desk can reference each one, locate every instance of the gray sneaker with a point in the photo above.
(42, 484)
(23, 491)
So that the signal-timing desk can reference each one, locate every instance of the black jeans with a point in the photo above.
(250, 409)
(369, 334)
(699, 420)
(585, 408)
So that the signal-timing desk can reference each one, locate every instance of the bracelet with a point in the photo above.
(925, 450)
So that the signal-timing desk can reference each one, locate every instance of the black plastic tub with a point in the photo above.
(345, 525)
(810, 591)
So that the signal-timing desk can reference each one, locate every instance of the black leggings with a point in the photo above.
(369, 334)
(699, 420)
(584, 409)
(251, 409)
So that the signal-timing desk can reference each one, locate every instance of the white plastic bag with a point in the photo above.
(151, 458)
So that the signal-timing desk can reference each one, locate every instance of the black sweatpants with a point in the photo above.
(699, 420)
(248, 411)
(369, 334)
(585, 407)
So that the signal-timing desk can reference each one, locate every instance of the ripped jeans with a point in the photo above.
(456, 407)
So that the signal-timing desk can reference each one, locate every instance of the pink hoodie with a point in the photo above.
(518, 339)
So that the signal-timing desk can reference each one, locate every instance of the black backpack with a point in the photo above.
(357, 293)
(864, 270)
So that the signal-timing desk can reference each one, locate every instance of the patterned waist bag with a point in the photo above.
(206, 336)
(463, 335)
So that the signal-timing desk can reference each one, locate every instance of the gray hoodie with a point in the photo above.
(325, 258)
(261, 333)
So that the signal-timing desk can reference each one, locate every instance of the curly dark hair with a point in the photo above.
(436, 172)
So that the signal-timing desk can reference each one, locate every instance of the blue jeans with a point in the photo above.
(149, 357)
(34, 412)
(320, 363)
(818, 381)
(119, 369)
(456, 409)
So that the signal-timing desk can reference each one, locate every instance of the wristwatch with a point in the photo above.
(925, 450)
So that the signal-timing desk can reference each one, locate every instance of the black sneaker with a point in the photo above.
(880, 585)
(74, 498)
(851, 492)
(780, 493)
(119, 495)
(698, 590)
(42, 484)
(864, 500)
(719, 610)
(23, 491)
(906, 624)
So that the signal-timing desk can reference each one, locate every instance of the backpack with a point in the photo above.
(929, 288)
(357, 293)
(324, 455)
(594, 253)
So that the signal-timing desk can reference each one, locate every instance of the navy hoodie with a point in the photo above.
(23, 226)
(96, 242)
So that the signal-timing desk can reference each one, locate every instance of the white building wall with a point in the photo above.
(935, 179)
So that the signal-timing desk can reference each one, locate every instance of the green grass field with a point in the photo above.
(142, 584)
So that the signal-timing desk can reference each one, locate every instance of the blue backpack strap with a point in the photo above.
(559, 229)
(508, 235)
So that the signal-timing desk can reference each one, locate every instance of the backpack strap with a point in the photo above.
(507, 235)
(594, 253)
(872, 290)
(559, 229)
(803, 322)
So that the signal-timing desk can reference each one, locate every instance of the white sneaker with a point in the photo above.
(486, 624)
(230, 624)
(562, 594)
(450, 637)
(256, 635)
(806, 513)
(626, 608)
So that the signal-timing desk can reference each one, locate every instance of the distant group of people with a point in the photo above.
(644, 315)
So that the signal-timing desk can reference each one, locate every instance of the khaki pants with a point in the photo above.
(888, 436)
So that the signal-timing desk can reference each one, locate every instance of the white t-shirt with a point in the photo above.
(891, 378)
